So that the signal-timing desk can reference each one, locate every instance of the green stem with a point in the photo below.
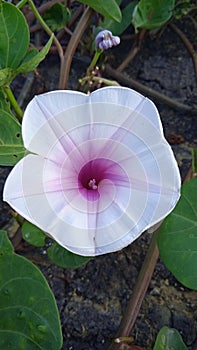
(47, 29)
(94, 60)
(21, 3)
(13, 102)
(98, 80)
(39, 18)
(105, 81)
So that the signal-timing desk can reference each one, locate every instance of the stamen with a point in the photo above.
(92, 184)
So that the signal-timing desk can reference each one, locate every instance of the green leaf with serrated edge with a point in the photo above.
(32, 60)
(11, 144)
(169, 338)
(33, 235)
(177, 239)
(64, 258)
(150, 14)
(14, 36)
(119, 28)
(57, 16)
(29, 318)
(107, 8)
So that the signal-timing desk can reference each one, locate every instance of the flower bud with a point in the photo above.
(105, 40)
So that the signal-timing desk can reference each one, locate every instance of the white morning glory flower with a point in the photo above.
(105, 40)
(100, 171)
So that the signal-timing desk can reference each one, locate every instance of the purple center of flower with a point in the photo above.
(93, 173)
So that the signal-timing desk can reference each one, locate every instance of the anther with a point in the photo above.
(92, 184)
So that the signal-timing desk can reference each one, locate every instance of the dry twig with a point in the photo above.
(72, 45)
(133, 51)
(187, 44)
(127, 81)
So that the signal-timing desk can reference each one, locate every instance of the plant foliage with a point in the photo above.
(29, 318)
(178, 236)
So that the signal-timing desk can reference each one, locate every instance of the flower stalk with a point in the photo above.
(47, 30)
(94, 60)
(13, 102)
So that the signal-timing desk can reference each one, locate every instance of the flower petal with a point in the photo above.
(39, 128)
(49, 117)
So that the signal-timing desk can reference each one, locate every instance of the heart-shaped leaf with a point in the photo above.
(11, 144)
(150, 14)
(14, 36)
(29, 318)
(14, 41)
(63, 258)
(177, 238)
(107, 8)
(169, 338)
(118, 28)
(33, 235)
(57, 16)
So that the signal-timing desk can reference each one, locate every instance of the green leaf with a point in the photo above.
(182, 8)
(29, 318)
(119, 28)
(194, 160)
(14, 41)
(107, 8)
(11, 144)
(57, 16)
(34, 57)
(63, 258)
(30, 62)
(14, 36)
(6, 247)
(33, 235)
(169, 339)
(177, 239)
(6, 76)
(4, 103)
(150, 14)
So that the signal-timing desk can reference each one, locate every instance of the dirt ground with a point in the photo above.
(92, 299)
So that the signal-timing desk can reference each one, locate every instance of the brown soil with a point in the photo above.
(92, 299)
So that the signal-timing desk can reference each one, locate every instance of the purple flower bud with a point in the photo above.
(105, 40)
